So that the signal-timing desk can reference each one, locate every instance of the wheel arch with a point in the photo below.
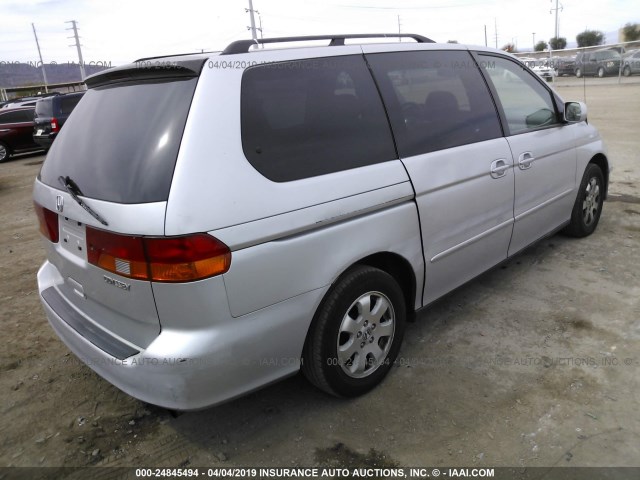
(602, 162)
(391, 263)
(401, 271)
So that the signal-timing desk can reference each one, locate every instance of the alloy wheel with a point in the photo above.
(366, 335)
(591, 201)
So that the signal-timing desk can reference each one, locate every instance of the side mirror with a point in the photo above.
(575, 112)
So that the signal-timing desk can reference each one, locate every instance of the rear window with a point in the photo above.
(122, 141)
(44, 108)
(313, 117)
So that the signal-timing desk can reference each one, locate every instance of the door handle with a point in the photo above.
(525, 160)
(499, 168)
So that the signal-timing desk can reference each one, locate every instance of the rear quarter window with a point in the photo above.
(312, 117)
(68, 103)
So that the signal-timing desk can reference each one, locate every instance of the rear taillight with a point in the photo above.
(48, 221)
(119, 254)
(158, 259)
(54, 125)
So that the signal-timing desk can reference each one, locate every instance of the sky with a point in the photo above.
(119, 31)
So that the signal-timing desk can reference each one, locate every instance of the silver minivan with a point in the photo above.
(216, 222)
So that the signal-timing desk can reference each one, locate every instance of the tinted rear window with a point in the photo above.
(43, 108)
(312, 117)
(122, 141)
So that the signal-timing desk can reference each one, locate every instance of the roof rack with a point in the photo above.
(243, 46)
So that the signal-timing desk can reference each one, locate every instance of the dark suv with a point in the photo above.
(16, 125)
(51, 113)
(600, 63)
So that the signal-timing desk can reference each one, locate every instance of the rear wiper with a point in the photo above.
(73, 189)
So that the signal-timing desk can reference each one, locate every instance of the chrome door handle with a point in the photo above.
(525, 160)
(499, 168)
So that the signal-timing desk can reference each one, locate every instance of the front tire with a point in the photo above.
(627, 71)
(588, 206)
(356, 333)
(600, 72)
(578, 72)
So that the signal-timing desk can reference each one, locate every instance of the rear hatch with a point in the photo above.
(102, 191)
(42, 117)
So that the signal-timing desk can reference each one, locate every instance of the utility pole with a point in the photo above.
(44, 73)
(495, 24)
(399, 37)
(83, 74)
(251, 11)
(561, 8)
(534, 42)
(485, 36)
(261, 32)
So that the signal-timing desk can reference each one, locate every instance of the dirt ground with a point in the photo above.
(534, 364)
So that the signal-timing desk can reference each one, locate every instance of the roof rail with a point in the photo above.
(173, 55)
(243, 46)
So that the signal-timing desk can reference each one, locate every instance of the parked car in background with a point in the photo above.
(599, 63)
(541, 66)
(16, 128)
(23, 102)
(209, 230)
(631, 63)
(564, 65)
(28, 101)
(51, 114)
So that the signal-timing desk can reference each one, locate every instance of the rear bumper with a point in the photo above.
(193, 368)
(44, 141)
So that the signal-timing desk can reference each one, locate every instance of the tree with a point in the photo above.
(590, 38)
(558, 43)
(631, 32)
(509, 47)
(541, 46)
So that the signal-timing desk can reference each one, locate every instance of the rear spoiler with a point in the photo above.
(148, 69)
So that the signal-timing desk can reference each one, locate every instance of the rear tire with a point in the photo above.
(578, 72)
(356, 333)
(5, 153)
(627, 71)
(588, 206)
(600, 72)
